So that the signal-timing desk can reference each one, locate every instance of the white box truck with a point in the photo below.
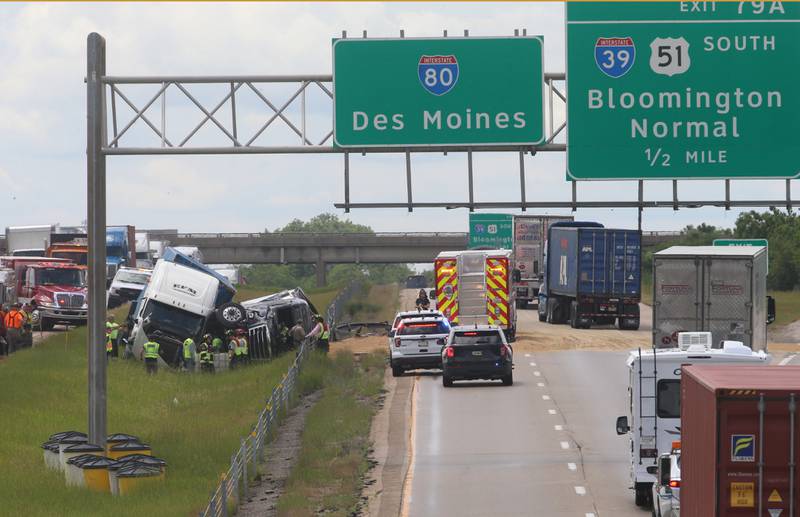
(530, 234)
(654, 391)
(28, 241)
(718, 289)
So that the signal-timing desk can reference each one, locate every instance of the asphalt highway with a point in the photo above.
(545, 446)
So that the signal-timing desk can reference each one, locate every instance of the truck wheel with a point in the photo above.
(508, 380)
(542, 317)
(447, 382)
(231, 315)
(644, 495)
(46, 324)
(573, 314)
(397, 371)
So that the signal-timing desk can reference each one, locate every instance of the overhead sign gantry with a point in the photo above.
(667, 90)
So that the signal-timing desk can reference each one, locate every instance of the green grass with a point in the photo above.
(327, 478)
(194, 422)
(647, 289)
(787, 306)
(321, 297)
(379, 303)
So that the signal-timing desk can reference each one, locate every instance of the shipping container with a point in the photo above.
(739, 441)
(530, 234)
(593, 276)
(718, 289)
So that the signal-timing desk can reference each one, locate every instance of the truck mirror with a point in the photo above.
(622, 425)
(664, 470)
(516, 275)
(432, 294)
(770, 309)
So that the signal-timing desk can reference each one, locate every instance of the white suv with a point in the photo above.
(407, 315)
(418, 343)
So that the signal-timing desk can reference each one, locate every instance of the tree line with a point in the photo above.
(781, 229)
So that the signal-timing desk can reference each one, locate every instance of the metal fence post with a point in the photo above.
(244, 468)
(223, 490)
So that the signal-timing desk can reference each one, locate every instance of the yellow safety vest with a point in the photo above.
(151, 350)
(187, 348)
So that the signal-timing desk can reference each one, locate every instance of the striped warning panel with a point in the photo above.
(447, 288)
(497, 291)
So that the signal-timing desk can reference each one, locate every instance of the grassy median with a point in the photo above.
(328, 476)
(194, 422)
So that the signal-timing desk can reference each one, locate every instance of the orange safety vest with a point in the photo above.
(14, 319)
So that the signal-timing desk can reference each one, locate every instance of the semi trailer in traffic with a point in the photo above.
(718, 289)
(28, 241)
(654, 391)
(476, 287)
(592, 276)
(740, 445)
(530, 234)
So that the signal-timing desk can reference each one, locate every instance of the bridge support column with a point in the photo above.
(321, 273)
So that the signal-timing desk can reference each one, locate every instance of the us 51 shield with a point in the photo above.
(438, 74)
(614, 56)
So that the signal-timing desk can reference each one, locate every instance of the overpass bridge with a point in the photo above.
(323, 249)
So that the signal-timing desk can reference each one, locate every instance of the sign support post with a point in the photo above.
(96, 230)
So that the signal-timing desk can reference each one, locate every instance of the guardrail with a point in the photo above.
(233, 486)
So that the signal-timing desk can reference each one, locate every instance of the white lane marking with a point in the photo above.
(533, 364)
(551, 411)
(565, 445)
(589, 515)
(545, 397)
(538, 374)
(580, 490)
(572, 466)
(558, 427)
(408, 482)
(787, 360)
(527, 355)
(540, 384)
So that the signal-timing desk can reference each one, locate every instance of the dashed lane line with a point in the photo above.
(572, 466)
(545, 397)
(786, 360)
(580, 490)
(408, 482)
(540, 384)
(558, 427)
(537, 374)
(551, 411)
(565, 445)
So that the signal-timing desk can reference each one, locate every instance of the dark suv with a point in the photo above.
(477, 352)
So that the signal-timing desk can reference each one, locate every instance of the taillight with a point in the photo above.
(397, 341)
(675, 483)
(450, 352)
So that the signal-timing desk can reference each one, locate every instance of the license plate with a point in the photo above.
(477, 352)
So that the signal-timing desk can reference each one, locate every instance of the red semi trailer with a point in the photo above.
(739, 439)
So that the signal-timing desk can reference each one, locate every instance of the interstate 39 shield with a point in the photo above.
(438, 74)
(614, 56)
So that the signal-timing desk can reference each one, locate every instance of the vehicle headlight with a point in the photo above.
(85, 306)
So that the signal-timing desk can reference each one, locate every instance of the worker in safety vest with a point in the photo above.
(206, 358)
(112, 332)
(189, 350)
(323, 343)
(244, 347)
(216, 344)
(233, 349)
(14, 321)
(150, 353)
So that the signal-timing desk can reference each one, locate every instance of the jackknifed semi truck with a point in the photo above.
(592, 276)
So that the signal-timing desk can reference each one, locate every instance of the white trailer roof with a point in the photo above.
(711, 251)
(491, 253)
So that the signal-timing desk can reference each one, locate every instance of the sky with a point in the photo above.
(43, 120)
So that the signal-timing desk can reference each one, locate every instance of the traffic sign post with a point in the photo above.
(438, 91)
(494, 231)
(668, 90)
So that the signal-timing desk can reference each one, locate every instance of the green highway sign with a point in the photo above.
(744, 242)
(665, 90)
(494, 231)
(438, 91)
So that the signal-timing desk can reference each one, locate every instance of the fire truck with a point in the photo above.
(476, 287)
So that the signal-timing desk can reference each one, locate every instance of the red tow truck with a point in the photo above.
(55, 289)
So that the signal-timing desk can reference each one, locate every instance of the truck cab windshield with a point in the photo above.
(179, 323)
(114, 251)
(132, 278)
(59, 276)
(75, 256)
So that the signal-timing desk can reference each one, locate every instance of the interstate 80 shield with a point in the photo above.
(438, 74)
(614, 56)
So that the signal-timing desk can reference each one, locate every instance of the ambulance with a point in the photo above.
(475, 287)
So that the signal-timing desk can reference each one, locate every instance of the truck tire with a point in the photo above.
(447, 382)
(47, 325)
(644, 495)
(231, 315)
(508, 380)
(573, 314)
(397, 371)
(542, 317)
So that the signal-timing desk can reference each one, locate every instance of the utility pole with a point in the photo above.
(96, 230)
